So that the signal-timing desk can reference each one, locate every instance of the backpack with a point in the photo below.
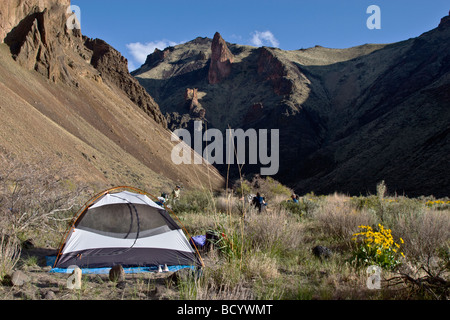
(258, 201)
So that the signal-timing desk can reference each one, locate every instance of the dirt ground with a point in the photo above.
(44, 285)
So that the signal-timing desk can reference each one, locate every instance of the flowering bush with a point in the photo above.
(377, 247)
(438, 204)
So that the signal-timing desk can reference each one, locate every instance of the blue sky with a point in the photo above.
(137, 27)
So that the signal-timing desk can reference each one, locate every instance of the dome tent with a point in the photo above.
(123, 226)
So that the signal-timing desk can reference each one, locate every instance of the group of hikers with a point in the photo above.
(258, 201)
(165, 198)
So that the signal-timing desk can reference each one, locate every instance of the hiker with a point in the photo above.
(161, 200)
(176, 193)
(259, 202)
(294, 198)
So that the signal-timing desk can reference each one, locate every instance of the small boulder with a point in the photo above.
(74, 281)
(19, 278)
(180, 275)
(117, 274)
(322, 252)
(50, 295)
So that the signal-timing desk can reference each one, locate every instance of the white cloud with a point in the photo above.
(140, 51)
(265, 37)
(131, 66)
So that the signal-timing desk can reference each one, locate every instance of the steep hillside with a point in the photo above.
(348, 118)
(71, 98)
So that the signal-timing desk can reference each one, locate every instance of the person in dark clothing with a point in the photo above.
(259, 202)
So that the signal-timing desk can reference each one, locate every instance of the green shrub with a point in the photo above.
(294, 208)
(270, 188)
(276, 188)
(304, 207)
(369, 202)
(243, 188)
(194, 201)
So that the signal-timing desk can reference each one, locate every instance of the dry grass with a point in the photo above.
(424, 234)
(36, 195)
(9, 253)
(274, 230)
(339, 218)
(231, 205)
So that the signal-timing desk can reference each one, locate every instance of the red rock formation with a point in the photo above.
(38, 40)
(12, 12)
(221, 60)
(38, 37)
(192, 103)
(191, 97)
(270, 68)
(114, 68)
(157, 56)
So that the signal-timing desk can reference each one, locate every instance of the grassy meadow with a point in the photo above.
(268, 255)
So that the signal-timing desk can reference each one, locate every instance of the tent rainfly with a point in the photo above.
(119, 227)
